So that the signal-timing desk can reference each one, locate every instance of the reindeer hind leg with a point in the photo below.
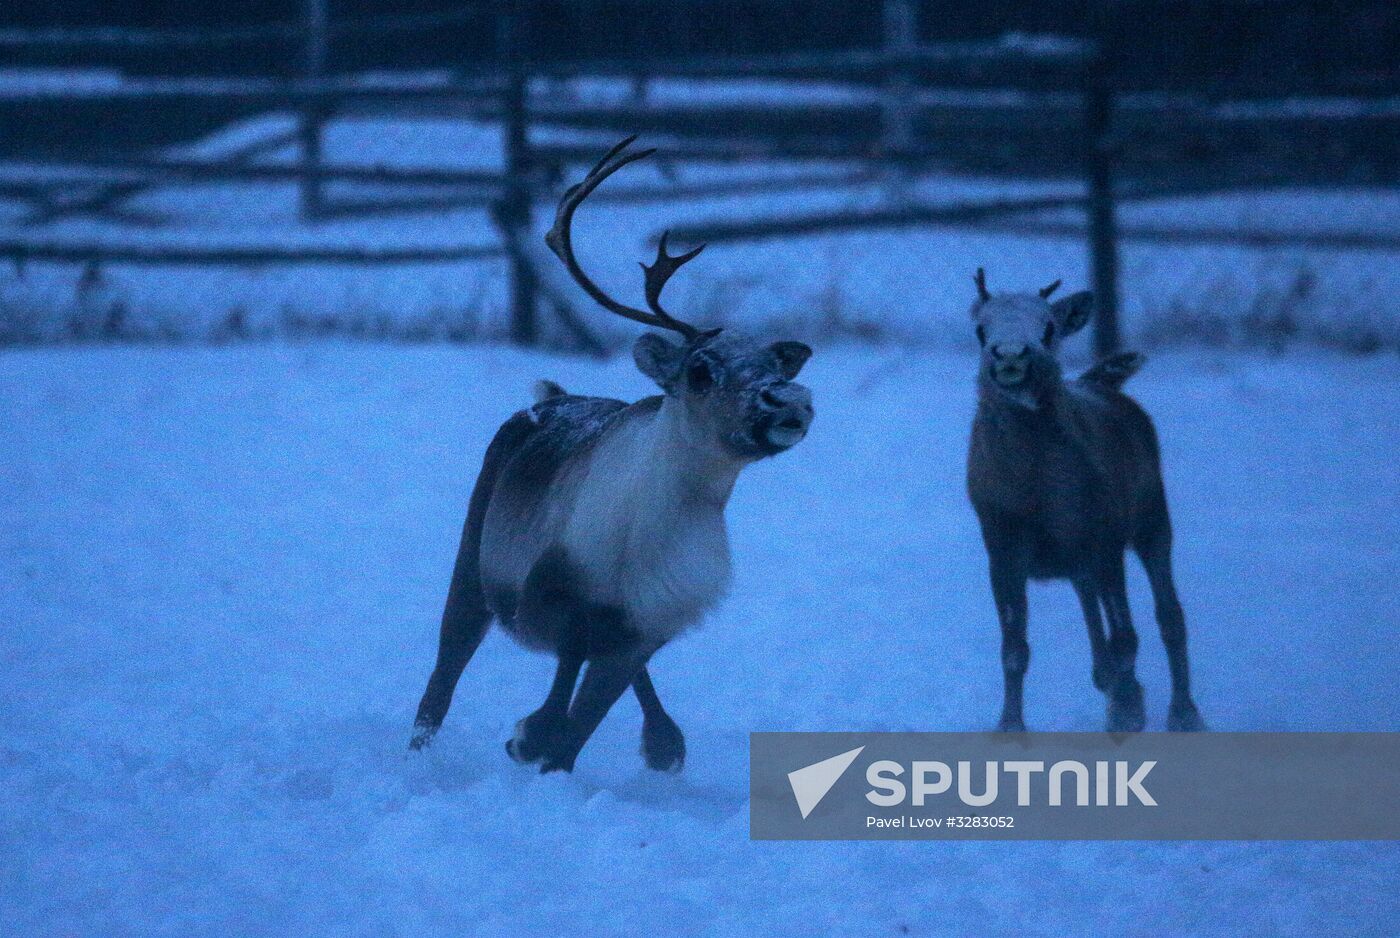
(466, 614)
(464, 621)
(1126, 713)
(1093, 622)
(1154, 549)
(464, 624)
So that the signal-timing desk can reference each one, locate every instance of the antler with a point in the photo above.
(660, 271)
(981, 280)
(560, 241)
(1046, 291)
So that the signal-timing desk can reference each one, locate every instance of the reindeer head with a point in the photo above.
(1020, 334)
(734, 391)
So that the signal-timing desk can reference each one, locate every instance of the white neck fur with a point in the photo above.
(647, 525)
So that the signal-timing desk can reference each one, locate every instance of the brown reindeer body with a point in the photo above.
(1065, 477)
(1081, 473)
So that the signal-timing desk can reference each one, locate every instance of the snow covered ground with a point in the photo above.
(220, 576)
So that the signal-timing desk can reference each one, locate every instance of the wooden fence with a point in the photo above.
(1078, 120)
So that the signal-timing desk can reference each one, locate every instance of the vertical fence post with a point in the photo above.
(901, 37)
(313, 113)
(515, 209)
(1103, 221)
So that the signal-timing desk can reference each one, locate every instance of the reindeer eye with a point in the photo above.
(1049, 333)
(699, 376)
(981, 335)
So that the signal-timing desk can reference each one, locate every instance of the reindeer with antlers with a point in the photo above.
(1065, 476)
(596, 529)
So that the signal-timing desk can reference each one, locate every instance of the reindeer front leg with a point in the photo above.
(544, 731)
(1009, 589)
(607, 677)
(663, 744)
(554, 614)
(1008, 563)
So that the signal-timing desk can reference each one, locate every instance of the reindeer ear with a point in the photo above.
(658, 359)
(791, 357)
(1073, 312)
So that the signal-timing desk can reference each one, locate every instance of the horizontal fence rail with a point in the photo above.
(166, 171)
(125, 37)
(260, 91)
(21, 251)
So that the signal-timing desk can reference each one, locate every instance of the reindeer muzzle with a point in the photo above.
(1010, 365)
(785, 418)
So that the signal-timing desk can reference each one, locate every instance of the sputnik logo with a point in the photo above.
(810, 784)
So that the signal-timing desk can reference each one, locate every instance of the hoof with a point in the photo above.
(1186, 720)
(1126, 713)
(557, 763)
(540, 738)
(422, 735)
(663, 745)
(548, 762)
(1007, 725)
